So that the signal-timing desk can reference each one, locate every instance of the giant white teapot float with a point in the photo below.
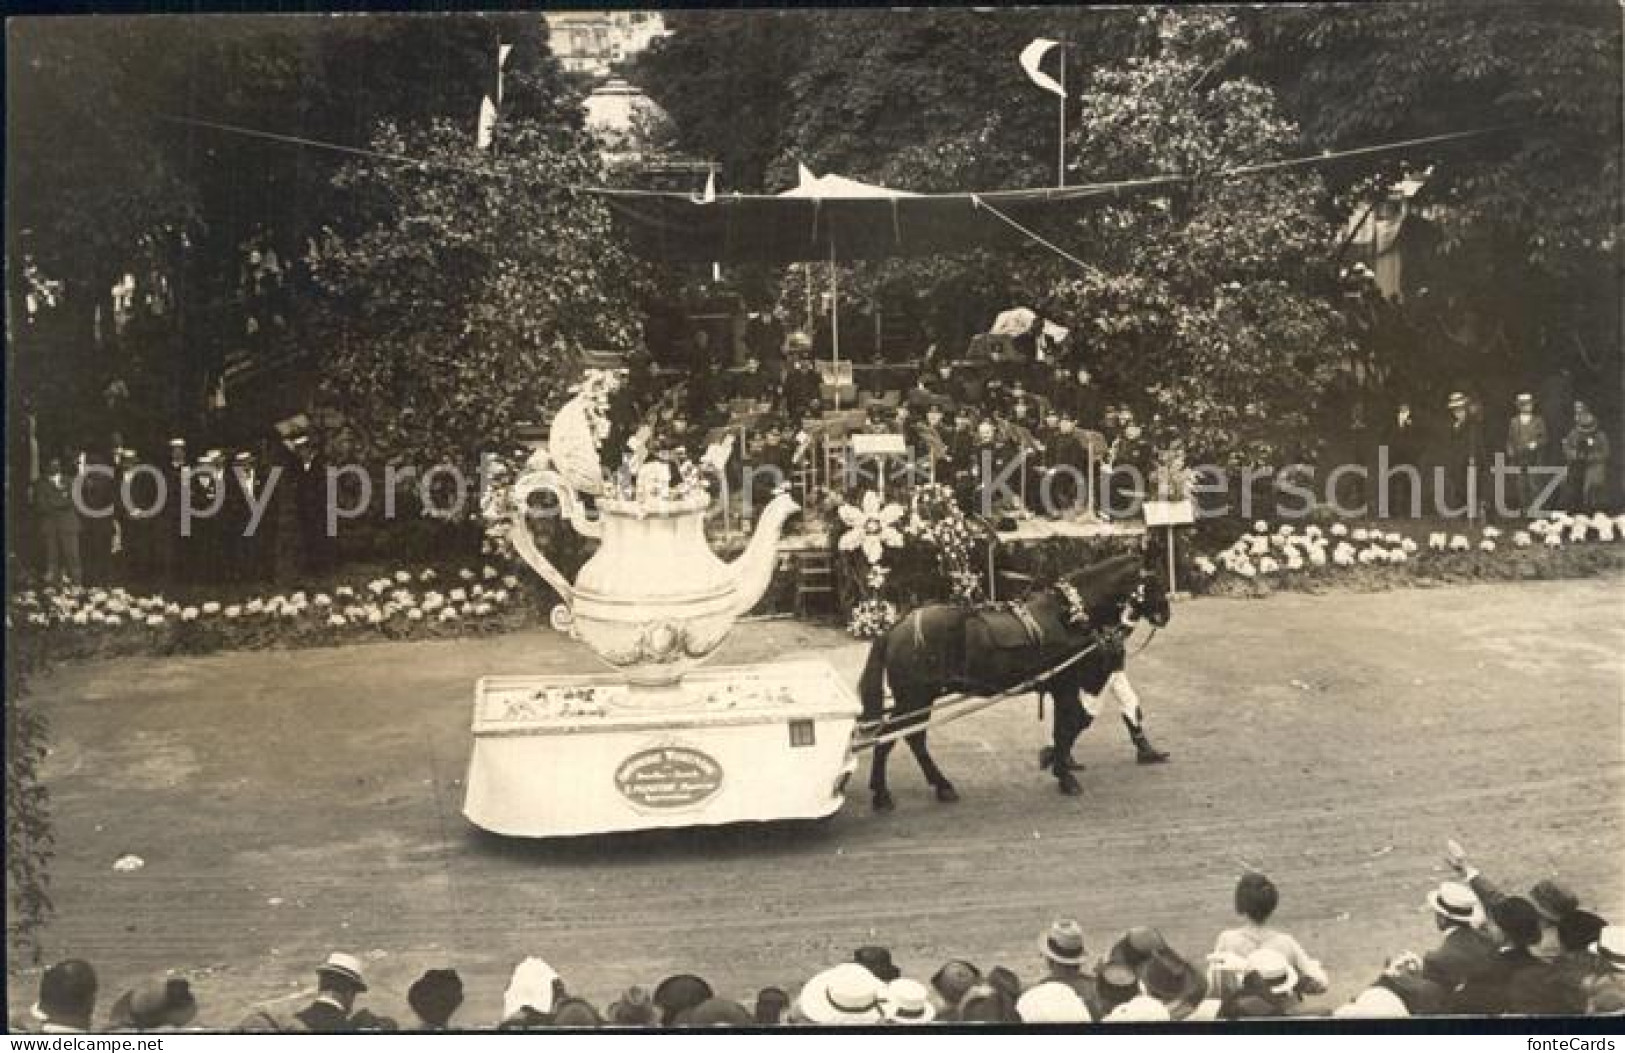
(653, 601)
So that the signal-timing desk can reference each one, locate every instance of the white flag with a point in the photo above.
(502, 54)
(488, 121)
(710, 193)
(1031, 56)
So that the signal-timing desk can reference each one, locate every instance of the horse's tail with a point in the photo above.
(872, 682)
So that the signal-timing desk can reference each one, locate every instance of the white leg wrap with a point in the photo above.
(1128, 700)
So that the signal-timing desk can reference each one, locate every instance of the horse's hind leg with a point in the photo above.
(933, 775)
(877, 777)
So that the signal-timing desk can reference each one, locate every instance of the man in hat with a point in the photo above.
(1064, 955)
(67, 998)
(1585, 451)
(251, 493)
(1174, 982)
(166, 1003)
(1514, 970)
(338, 984)
(906, 1003)
(1461, 456)
(174, 552)
(1467, 952)
(772, 1003)
(1552, 900)
(676, 995)
(207, 545)
(1525, 450)
(434, 997)
(309, 469)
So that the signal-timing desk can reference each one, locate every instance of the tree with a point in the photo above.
(454, 301)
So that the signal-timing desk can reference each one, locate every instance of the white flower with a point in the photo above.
(233, 611)
(335, 620)
(1339, 530)
(377, 586)
(113, 621)
(499, 596)
(1577, 530)
(1205, 566)
(1360, 534)
(1605, 530)
(488, 572)
(1258, 546)
(322, 599)
(1397, 555)
(482, 609)
(81, 618)
(1539, 527)
(172, 609)
(449, 614)
(154, 620)
(1487, 545)
(1317, 557)
(1458, 543)
(189, 614)
(1554, 539)
(1367, 555)
(1267, 565)
(1312, 530)
(211, 607)
(256, 605)
(344, 592)
(509, 581)
(1521, 539)
(1294, 562)
(1406, 545)
(375, 617)
(465, 574)
(427, 575)
(1393, 538)
(871, 526)
(1261, 527)
(1245, 569)
(1492, 532)
(457, 595)
(402, 576)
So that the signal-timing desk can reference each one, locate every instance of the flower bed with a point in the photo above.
(1312, 558)
(423, 604)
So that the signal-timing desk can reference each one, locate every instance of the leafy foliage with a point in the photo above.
(28, 818)
(454, 302)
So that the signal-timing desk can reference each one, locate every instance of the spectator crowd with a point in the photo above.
(1490, 953)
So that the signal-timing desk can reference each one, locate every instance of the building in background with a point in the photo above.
(591, 43)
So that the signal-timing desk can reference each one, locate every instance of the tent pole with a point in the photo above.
(1060, 164)
(834, 323)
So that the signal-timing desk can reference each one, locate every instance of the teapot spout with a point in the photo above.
(753, 570)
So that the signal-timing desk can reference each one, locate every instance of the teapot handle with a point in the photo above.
(519, 530)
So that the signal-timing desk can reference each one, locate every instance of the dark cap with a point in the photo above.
(878, 961)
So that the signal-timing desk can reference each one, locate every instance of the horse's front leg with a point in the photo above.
(1069, 722)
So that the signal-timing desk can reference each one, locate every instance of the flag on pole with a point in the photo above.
(488, 122)
(502, 60)
(1031, 56)
(710, 193)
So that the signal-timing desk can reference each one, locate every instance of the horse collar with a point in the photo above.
(1077, 612)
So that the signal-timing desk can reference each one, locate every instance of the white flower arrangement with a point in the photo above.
(1554, 539)
(1317, 557)
(402, 577)
(1459, 543)
(1487, 545)
(322, 600)
(448, 614)
(1259, 546)
(1521, 539)
(189, 614)
(1339, 530)
(414, 614)
(871, 526)
(457, 595)
(1261, 527)
(154, 620)
(1407, 546)
(1492, 532)
(233, 611)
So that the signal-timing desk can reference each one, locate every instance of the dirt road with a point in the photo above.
(287, 804)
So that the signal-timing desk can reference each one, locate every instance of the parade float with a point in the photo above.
(654, 741)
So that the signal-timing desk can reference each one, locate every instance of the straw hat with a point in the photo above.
(906, 1001)
(345, 967)
(1139, 1009)
(1272, 967)
(1457, 902)
(1063, 943)
(846, 994)
(1052, 1002)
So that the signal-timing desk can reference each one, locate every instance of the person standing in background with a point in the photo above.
(59, 524)
(98, 497)
(1585, 448)
(1525, 450)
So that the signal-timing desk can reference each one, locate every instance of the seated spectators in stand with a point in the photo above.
(1551, 900)
(339, 983)
(634, 1008)
(1256, 899)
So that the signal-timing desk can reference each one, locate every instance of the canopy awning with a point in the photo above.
(832, 216)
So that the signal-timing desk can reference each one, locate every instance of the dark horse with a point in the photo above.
(940, 649)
